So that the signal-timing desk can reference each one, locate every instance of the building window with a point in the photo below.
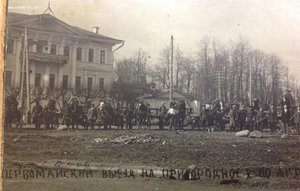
(91, 55)
(53, 49)
(10, 46)
(8, 75)
(37, 81)
(52, 81)
(67, 51)
(79, 54)
(102, 57)
(78, 83)
(101, 84)
(65, 82)
(90, 84)
(39, 47)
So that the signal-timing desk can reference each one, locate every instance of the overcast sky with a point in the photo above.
(270, 25)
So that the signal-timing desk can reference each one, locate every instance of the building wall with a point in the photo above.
(72, 68)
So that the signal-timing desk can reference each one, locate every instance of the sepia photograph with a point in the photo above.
(151, 95)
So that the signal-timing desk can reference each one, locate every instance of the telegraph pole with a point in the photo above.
(171, 69)
(23, 71)
(250, 83)
(27, 75)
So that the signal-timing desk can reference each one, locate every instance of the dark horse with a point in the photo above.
(12, 113)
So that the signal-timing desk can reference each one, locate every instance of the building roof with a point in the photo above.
(49, 23)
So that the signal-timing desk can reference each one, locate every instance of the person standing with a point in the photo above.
(203, 118)
(161, 115)
(128, 113)
(260, 118)
(92, 116)
(297, 119)
(172, 116)
(181, 114)
(173, 103)
(119, 121)
(249, 119)
(142, 111)
(233, 118)
(37, 115)
(272, 119)
(285, 118)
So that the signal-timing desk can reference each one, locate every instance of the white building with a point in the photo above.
(60, 55)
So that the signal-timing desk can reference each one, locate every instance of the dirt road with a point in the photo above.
(223, 161)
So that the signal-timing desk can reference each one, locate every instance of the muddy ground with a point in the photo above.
(220, 160)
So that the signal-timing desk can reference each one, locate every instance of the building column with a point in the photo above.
(60, 67)
(85, 80)
(73, 66)
(17, 76)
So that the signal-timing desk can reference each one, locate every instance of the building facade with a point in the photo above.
(59, 55)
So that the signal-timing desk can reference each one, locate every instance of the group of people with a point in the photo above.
(108, 113)
(251, 117)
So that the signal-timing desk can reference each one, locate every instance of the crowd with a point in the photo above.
(176, 116)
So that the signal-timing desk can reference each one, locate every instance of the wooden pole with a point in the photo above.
(171, 70)
(23, 73)
(250, 80)
(27, 74)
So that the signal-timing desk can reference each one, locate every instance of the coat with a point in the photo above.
(260, 116)
(232, 117)
(203, 115)
(285, 117)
